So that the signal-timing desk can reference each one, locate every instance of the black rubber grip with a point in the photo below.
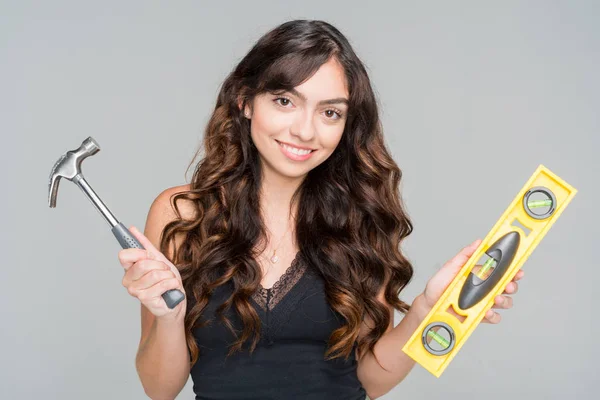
(475, 288)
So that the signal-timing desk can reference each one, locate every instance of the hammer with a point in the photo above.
(68, 166)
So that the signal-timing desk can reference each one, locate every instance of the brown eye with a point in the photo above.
(282, 101)
(332, 114)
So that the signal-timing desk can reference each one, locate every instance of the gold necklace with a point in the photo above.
(274, 258)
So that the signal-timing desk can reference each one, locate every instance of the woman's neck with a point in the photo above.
(275, 198)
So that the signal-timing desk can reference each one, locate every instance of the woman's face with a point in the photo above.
(311, 116)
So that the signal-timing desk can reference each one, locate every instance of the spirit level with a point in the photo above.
(510, 242)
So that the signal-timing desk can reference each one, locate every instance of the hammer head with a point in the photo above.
(69, 166)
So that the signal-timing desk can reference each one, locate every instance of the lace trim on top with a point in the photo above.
(283, 285)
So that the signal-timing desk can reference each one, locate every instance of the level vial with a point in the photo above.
(539, 203)
(489, 263)
(438, 338)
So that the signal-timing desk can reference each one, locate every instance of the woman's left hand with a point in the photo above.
(439, 282)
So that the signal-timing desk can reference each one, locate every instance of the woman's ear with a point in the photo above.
(246, 110)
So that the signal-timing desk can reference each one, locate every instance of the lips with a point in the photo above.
(291, 155)
(294, 146)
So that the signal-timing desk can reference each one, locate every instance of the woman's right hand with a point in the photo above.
(148, 274)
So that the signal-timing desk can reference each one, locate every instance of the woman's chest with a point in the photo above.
(294, 309)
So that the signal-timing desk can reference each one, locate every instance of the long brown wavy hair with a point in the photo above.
(356, 249)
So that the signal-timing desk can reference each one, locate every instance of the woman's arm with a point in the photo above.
(388, 349)
(162, 361)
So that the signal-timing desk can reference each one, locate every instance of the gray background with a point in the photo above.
(474, 96)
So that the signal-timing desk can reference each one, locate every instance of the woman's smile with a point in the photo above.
(295, 153)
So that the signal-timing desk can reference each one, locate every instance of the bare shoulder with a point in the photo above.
(163, 204)
(162, 211)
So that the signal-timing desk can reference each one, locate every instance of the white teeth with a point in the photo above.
(295, 150)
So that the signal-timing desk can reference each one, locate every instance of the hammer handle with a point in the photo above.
(127, 241)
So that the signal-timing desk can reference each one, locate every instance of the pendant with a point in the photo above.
(274, 259)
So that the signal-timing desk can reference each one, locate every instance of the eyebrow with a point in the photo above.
(329, 101)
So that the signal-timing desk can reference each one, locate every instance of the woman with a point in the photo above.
(286, 242)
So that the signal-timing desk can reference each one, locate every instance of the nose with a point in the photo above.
(303, 126)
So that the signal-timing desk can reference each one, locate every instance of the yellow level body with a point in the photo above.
(510, 242)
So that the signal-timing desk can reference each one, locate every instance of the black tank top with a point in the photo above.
(289, 361)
